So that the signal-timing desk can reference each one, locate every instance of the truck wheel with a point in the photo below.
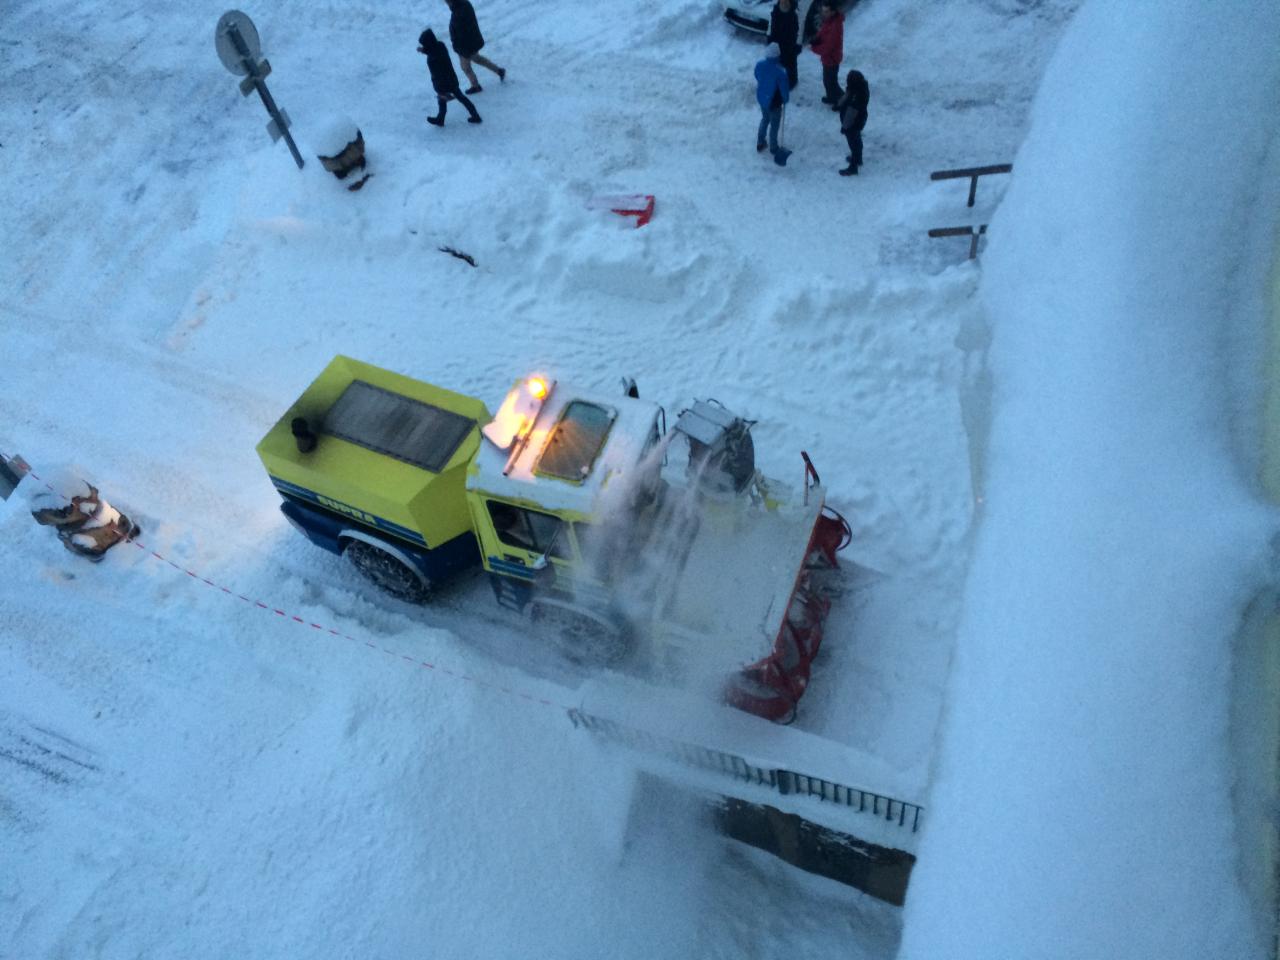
(582, 636)
(387, 573)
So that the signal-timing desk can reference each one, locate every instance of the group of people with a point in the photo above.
(467, 41)
(777, 75)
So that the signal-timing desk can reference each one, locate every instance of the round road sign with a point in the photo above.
(232, 57)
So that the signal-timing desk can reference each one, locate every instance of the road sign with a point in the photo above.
(236, 40)
(278, 126)
(229, 52)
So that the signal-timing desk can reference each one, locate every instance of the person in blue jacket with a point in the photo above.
(772, 91)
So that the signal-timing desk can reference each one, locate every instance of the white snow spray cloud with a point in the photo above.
(648, 521)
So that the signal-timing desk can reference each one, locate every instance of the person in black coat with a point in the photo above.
(443, 78)
(465, 37)
(784, 30)
(853, 117)
(812, 20)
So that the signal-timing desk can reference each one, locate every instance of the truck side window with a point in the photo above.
(545, 527)
(510, 524)
(526, 529)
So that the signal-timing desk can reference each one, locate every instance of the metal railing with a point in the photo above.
(973, 173)
(962, 232)
(786, 782)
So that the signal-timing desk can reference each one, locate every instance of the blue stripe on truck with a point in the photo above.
(510, 569)
(360, 516)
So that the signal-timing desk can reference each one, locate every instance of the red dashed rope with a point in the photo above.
(283, 614)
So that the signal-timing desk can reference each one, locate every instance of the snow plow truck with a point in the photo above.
(623, 543)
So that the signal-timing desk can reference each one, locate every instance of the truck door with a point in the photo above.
(524, 536)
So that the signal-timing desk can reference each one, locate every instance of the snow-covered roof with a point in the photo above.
(562, 431)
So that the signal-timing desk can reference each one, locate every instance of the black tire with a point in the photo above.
(386, 572)
(582, 636)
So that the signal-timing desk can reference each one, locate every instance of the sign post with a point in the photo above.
(236, 40)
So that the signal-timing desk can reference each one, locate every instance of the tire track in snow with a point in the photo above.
(45, 753)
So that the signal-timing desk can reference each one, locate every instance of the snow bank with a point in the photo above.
(1082, 803)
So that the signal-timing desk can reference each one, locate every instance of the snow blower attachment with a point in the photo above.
(88, 525)
(722, 455)
(667, 554)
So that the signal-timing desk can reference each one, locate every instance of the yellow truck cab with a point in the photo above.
(555, 463)
(619, 539)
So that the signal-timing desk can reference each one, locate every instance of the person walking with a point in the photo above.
(828, 44)
(784, 30)
(443, 78)
(466, 40)
(853, 117)
(771, 93)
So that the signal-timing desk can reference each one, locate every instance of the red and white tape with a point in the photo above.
(285, 615)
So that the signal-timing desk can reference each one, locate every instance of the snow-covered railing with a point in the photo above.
(973, 173)
(974, 235)
(898, 813)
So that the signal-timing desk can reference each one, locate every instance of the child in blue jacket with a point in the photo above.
(772, 91)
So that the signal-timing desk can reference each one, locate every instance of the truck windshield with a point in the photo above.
(576, 441)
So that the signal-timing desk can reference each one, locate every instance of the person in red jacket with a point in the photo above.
(829, 46)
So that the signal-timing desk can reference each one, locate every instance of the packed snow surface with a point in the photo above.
(220, 742)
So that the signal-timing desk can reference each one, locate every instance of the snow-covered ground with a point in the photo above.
(191, 774)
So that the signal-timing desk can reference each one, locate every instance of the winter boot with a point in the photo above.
(780, 157)
(502, 75)
(760, 146)
(849, 171)
(436, 121)
(475, 88)
(474, 118)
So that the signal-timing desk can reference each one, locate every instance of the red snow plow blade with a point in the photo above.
(771, 687)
